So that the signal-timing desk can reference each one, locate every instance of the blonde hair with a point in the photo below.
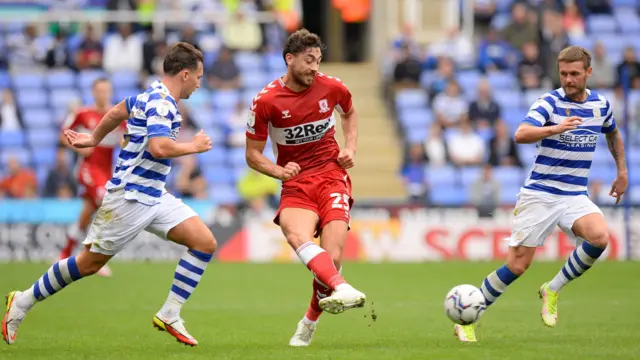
(574, 54)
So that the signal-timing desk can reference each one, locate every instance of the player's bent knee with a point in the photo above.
(600, 240)
(518, 267)
(89, 262)
(296, 238)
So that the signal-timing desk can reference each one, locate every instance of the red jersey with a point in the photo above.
(301, 124)
(101, 159)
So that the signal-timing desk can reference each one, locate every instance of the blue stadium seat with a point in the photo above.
(221, 116)
(468, 175)
(120, 94)
(5, 79)
(87, 77)
(601, 157)
(502, 80)
(32, 98)
(508, 99)
(513, 117)
(417, 135)
(60, 79)
(254, 79)
(447, 195)
(509, 195)
(217, 155)
(10, 139)
(508, 175)
(584, 41)
(597, 23)
(23, 155)
(203, 119)
(125, 79)
(28, 81)
(275, 62)
(602, 172)
(236, 157)
(61, 98)
(469, 80)
(634, 177)
(413, 118)
(504, 6)
(87, 97)
(216, 175)
(248, 61)
(411, 99)
(224, 195)
(635, 195)
(634, 155)
(426, 77)
(42, 137)
(500, 21)
(248, 95)
(41, 177)
(441, 175)
(37, 118)
(225, 99)
(625, 3)
(44, 156)
(611, 42)
(216, 134)
(628, 20)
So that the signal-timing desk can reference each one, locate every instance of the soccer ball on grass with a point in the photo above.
(464, 304)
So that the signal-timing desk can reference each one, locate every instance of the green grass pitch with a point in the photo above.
(243, 311)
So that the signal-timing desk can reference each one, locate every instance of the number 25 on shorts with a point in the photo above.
(341, 201)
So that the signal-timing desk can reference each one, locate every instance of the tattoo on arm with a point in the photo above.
(616, 147)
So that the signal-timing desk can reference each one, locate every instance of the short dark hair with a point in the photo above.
(181, 55)
(574, 54)
(301, 40)
(99, 80)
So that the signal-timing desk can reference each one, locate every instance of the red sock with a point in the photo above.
(68, 249)
(320, 264)
(320, 291)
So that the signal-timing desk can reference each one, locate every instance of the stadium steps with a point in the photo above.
(379, 157)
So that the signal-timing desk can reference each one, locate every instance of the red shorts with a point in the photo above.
(92, 183)
(328, 194)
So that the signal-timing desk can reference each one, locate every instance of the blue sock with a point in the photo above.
(186, 278)
(580, 260)
(496, 283)
(61, 274)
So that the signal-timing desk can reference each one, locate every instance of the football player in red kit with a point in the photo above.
(296, 111)
(94, 167)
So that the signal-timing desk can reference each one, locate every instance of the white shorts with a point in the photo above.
(118, 221)
(537, 214)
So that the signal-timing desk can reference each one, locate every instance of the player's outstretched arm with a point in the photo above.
(258, 162)
(163, 147)
(350, 130)
(616, 147)
(109, 122)
(528, 134)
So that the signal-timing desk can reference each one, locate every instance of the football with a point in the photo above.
(464, 304)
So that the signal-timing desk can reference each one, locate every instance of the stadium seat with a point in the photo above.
(469, 81)
(414, 118)
(468, 175)
(224, 195)
(44, 156)
(23, 81)
(634, 177)
(425, 79)
(627, 20)
(598, 23)
(634, 156)
(417, 135)
(125, 79)
(526, 153)
(61, 98)
(60, 79)
(5, 80)
(37, 118)
(248, 61)
(508, 99)
(603, 173)
(225, 99)
(441, 175)
(32, 98)
(624, 3)
(22, 154)
(275, 62)
(236, 157)
(87, 77)
(411, 99)
(42, 137)
(508, 175)
(447, 195)
(216, 175)
(500, 21)
(502, 80)
(87, 98)
(254, 79)
(601, 157)
(216, 156)
(509, 194)
(10, 139)
(611, 42)
(120, 94)
(216, 134)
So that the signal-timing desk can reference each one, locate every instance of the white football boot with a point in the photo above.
(174, 327)
(303, 335)
(343, 298)
(12, 318)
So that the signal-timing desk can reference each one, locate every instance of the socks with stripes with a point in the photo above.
(61, 274)
(496, 283)
(580, 260)
(187, 276)
(321, 265)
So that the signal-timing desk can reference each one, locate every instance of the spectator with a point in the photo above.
(495, 53)
(274, 35)
(60, 180)
(631, 67)
(58, 54)
(618, 107)
(603, 75)
(483, 12)
(445, 72)
(241, 33)
(190, 183)
(89, 54)
(457, 47)
(224, 73)
(149, 52)
(485, 193)
(466, 148)
(258, 193)
(25, 51)
(122, 5)
(413, 173)
(237, 125)
(502, 148)
(484, 111)
(450, 106)
(521, 30)
(530, 68)
(404, 41)
(407, 71)
(435, 147)
(10, 119)
(572, 20)
(554, 40)
(190, 36)
(123, 51)
(599, 6)
(20, 183)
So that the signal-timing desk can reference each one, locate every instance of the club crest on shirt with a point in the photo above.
(567, 111)
(163, 108)
(324, 105)
(596, 112)
(251, 119)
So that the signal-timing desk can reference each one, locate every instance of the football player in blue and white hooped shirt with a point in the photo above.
(136, 198)
(565, 125)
